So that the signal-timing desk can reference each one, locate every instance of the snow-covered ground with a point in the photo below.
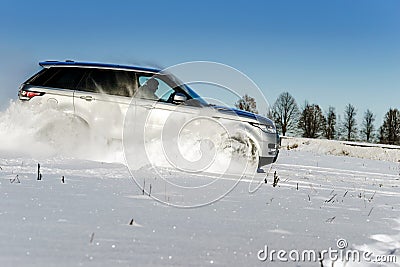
(344, 148)
(100, 217)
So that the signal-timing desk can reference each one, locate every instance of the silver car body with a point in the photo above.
(105, 111)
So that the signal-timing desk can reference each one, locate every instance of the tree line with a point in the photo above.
(311, 122)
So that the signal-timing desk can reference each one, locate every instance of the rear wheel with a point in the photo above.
(64, 132)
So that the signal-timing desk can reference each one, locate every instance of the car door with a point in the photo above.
(102, 99)
(168, 129)
(154, 113)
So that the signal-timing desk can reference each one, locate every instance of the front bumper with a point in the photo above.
(269, 149)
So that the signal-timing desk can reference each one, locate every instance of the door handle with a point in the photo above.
(148, 106)
(87, 98)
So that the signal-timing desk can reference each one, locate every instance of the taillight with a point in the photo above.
(28, 95)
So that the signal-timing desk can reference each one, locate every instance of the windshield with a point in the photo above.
(174, 81)
(194, 95)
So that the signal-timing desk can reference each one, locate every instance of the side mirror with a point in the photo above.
(179, 98)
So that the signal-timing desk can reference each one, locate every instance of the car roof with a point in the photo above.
(70, 63)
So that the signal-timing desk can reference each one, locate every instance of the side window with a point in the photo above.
(65, 78)
(44, 75)
(96, 81)
(112, 82)
(126, 83)
(161, 91)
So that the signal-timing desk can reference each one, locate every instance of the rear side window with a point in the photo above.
(65, 78)
(112, 82)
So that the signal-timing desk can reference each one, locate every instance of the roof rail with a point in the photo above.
(51, 63)
(47, 61)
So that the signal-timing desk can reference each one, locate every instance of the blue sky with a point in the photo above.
(326, 52)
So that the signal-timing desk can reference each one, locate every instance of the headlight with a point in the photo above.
(265, 128)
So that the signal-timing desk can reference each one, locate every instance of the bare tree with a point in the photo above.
(247, 103)
(330, 129)
(368, 125)
(350, 123)
(312, 122)
(339, 128)
(390, 130)
(285, 113)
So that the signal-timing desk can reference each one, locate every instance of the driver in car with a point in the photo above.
(148, 90)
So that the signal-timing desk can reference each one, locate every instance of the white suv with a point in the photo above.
(99, 94)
